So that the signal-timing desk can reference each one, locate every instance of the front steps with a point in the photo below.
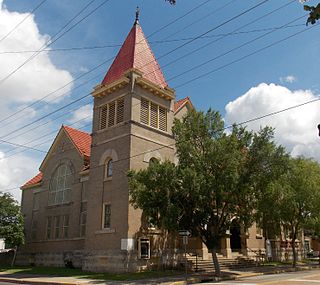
(237, 262)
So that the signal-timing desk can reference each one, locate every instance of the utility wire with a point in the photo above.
(222, 129)
(222, 37)
(23, 20)
(41, 99)
(63, 94)
(200, 19)
(179, 18)
(215, 28)
(244, 57)
(151, 42)
(233, 49)
(57, 36)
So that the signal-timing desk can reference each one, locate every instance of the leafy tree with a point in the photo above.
(314, 14)
(11, 221)
(216, 180)
(295, 199)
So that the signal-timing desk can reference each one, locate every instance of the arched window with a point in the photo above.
(108, 166)
(153, 160)
(60, 186)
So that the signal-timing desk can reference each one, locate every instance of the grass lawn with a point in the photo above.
(78, 273)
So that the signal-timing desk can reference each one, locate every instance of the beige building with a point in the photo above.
(77, 209)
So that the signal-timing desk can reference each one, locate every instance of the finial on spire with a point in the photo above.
(137, 15)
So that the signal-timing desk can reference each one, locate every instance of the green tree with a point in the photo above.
(295, 199)
(314, 14)
(11, 221)
(216, 180)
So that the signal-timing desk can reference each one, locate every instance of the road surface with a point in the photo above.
(293, 278)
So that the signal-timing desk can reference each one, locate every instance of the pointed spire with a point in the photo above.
(136, 53)
(137, 15)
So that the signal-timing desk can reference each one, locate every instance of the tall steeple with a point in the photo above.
(136, 53)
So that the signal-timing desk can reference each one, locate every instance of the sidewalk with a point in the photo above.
(172, 280)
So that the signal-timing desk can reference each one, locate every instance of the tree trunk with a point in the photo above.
(294, 252)
(216, 262)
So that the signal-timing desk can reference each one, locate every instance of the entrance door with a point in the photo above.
(235, 238)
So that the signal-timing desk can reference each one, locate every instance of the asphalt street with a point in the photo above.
(293, 278)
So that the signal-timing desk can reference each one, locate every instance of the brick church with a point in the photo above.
(77, 208)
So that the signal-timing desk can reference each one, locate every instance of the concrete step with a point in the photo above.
(239, 262)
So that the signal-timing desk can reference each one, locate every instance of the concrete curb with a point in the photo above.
(191, 280)
(35, 282)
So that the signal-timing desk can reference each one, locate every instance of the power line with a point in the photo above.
(200, 19)
(21, 145)
(222, 129)
(233, 49)
(215, 27)
(41, 99)
(224, 36)
(23, 20)
(179, 18)
(57, 36)
(151, 42)
(244, 57)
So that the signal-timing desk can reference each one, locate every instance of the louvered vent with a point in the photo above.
(154, 115)
(112, 113)
(103, 117)
(144, 112)
(120, 110)
(162, 119)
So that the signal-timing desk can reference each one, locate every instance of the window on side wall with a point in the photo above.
(60, 186)
(108, 168)
(144, 248)
(106, 216)
(49, 227)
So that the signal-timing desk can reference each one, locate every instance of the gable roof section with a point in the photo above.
(33, 181)
(136, 53)
(178, 105)
(81, 140)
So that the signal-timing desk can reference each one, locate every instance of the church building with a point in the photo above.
(77, 211)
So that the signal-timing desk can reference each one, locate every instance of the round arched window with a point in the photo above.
(60, 186)
(109, 166)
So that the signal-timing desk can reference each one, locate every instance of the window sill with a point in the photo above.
(108, 178)
(105, 231)
(59, 205)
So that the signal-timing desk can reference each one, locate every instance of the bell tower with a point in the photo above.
(132, 120)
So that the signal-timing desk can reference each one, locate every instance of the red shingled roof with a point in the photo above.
(82, 140)
(35, 180)
(136, 53)
(180, 103)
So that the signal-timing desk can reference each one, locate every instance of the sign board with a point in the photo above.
(185, 240)
(184, 233)
(127, 244)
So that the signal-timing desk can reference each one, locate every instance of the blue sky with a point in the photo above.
(278, 77)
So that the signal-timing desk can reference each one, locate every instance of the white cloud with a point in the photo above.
(296, 129)
(33, 81)
(83, 114)
(288, 79)
(39, 76)
(15, 172)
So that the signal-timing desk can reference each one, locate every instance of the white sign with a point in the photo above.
(184, 233)
(127, 244)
